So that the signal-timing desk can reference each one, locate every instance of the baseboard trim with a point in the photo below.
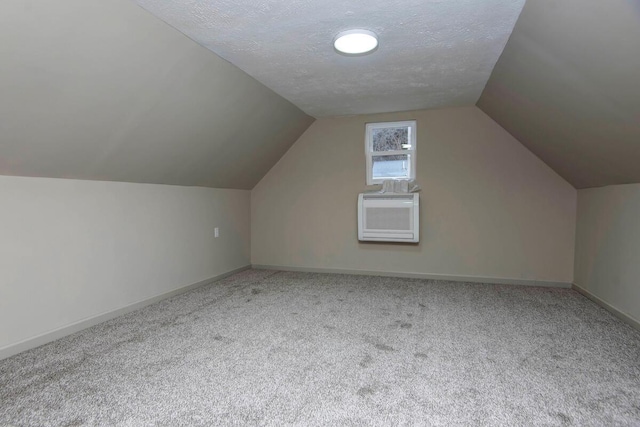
(452, 278)
(47, 337)
(634, 323)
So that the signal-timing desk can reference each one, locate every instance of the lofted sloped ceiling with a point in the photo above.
(432, 53)
(568, 87)
(102, 90)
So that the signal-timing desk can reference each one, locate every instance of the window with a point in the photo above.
(390, 150)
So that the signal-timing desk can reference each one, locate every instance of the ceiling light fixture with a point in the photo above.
(355, 42)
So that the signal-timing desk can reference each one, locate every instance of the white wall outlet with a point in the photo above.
(216, 232)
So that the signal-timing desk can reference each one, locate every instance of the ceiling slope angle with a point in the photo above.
(431, 53)
(103, 90)
(567, 87)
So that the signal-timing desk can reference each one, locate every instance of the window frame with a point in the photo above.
(369, 153)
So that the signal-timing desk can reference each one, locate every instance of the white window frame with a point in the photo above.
(369, 153)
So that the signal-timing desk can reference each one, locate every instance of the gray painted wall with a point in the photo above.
(103, 90)
(72, 250)
(489, 208)
(566, 86)
(608, 246)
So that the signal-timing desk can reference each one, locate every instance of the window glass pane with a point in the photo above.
(385, 167)
(389, 139)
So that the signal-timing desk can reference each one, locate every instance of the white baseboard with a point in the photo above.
(47, 337)
(634, 323)
(453, 278)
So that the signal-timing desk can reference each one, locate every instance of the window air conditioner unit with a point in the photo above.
(388, 217)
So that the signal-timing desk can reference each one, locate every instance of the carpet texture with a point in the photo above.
(283, 348)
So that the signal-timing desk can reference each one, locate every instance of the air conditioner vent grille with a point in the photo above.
(405, 198)
(388, 219)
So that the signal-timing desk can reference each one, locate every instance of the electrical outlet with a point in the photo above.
(216, 232)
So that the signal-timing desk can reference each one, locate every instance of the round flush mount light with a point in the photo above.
(355, 42)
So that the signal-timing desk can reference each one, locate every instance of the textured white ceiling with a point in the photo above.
(432, 53)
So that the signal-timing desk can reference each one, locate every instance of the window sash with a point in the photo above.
(370, 153)
(391, 152)
(404, 174)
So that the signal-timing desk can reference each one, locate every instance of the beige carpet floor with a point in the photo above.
(282, 348)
